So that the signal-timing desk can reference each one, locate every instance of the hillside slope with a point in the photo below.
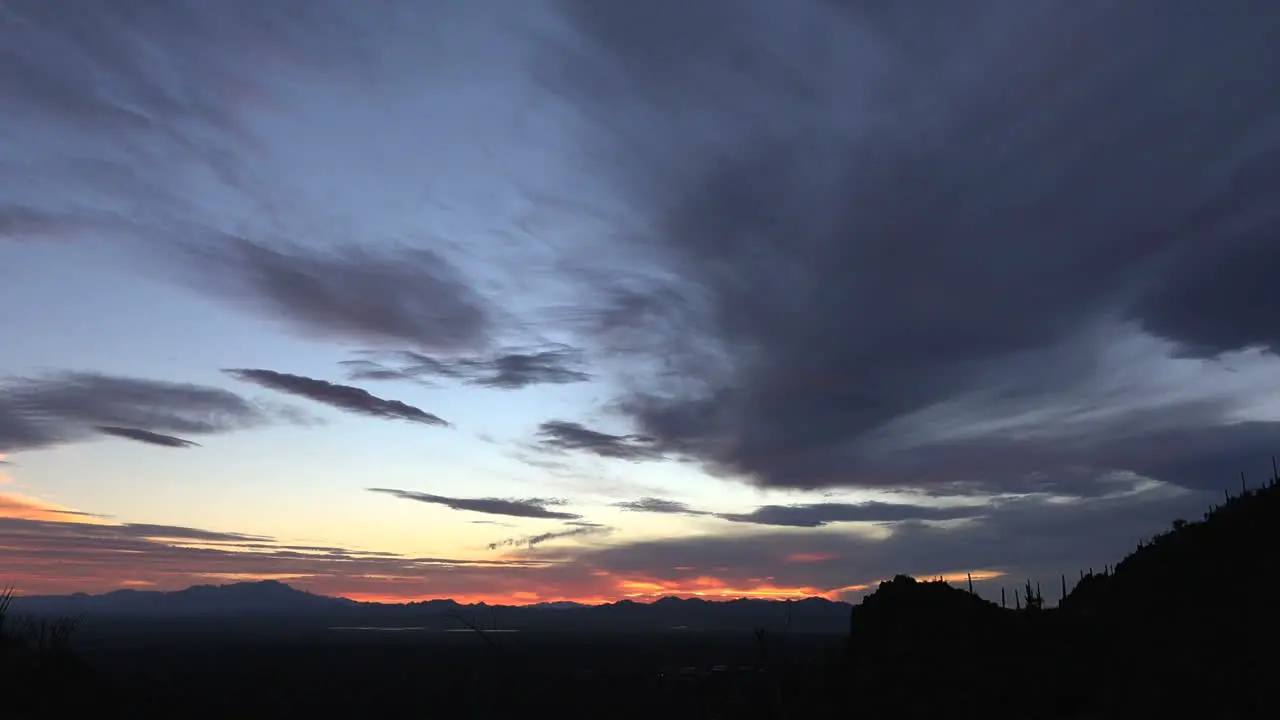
(1181, 627)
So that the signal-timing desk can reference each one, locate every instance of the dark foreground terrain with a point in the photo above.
(245, 669)
(1184, 627)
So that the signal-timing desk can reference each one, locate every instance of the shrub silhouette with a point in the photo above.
(37, 665)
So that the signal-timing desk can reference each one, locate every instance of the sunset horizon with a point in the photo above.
(35, 582)
(561, 300)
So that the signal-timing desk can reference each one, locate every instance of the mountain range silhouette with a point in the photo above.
(271, 598)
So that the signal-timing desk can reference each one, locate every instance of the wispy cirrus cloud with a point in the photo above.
(529, 541)
(660, 506)
(515, 370)
(537, 508)
(342, 397)
(509, 370)
(566, 436)
(71, 406)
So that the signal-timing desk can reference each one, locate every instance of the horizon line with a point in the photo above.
(638, 600)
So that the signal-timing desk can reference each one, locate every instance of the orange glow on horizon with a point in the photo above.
(955, 577)
(708, 587)
(509, 599)
(232, 577)
(614, 589)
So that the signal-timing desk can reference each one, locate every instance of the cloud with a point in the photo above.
(899, 249)
(529, 541)
(822, 514)
(526, 508)
(513, 371)
(94, 75)
(22, 507)
(70, 406)
(343, 397)
(812, 515)
(146, 436)
(413, 366)
(96, 556)
(386, 295)
(1038, 536)
(659, 505)
(506, 371)
(20, 222)
(565, 436)
(1220, 299)
(151, 135)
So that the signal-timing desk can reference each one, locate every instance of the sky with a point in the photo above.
(536, 300)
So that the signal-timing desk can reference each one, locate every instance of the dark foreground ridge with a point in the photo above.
(1181, 628)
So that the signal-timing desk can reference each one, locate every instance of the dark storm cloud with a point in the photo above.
(862, 215)
(145, 436)
(512, 507)
(390, 295)
(564, 436)
(535, 540)
(1213, 298)
(505, 371)
(342, 397)
(54, 409)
